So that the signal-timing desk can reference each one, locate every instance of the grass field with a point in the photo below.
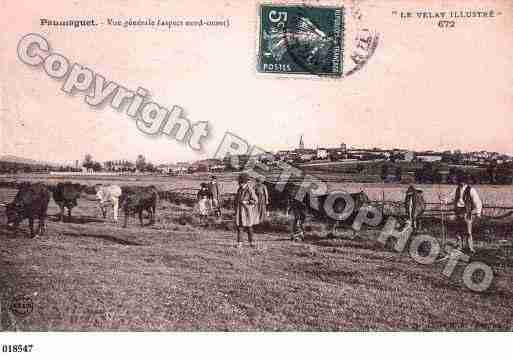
(92, 274)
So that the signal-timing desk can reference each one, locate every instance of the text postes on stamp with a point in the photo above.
(301, 40)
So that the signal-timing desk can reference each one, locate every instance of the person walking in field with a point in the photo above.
(215, 196)
(203, 198)
(297, 210)
(467, 207)
(263, 200)
(245, 214)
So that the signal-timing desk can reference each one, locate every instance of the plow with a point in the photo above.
(495, 224)
(437, 210)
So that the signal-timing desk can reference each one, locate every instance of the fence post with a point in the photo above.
(383, 201)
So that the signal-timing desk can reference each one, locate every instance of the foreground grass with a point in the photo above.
(94, 275)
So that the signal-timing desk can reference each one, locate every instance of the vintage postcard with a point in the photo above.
(331, 165)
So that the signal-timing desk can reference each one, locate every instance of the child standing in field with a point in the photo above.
(203, 198)
(215, 194)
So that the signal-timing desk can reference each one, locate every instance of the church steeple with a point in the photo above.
(301, 143)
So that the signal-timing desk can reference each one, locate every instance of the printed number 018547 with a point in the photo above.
(19, 348)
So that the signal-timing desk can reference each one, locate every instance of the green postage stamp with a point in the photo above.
(299, 39)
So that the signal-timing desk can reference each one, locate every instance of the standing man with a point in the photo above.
(263, 200)
(298, 211)
(467, 206)
(215, 194)
(245, 214)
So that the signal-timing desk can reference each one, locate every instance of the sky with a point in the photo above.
(424, 88)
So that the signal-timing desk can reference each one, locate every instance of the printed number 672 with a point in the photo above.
(445, 23)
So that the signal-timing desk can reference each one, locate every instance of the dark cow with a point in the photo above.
(337, 212)
(66, 195)
(137, 200)
(334, 213)
(415, 206)
(30, 202)
(280, 194)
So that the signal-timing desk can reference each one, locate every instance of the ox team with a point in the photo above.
(251, 205)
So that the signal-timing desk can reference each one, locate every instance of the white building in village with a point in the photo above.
(322, 153)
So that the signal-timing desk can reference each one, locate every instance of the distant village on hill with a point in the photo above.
(320, 157)
(304, 155)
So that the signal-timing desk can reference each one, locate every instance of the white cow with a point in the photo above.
(108, 195)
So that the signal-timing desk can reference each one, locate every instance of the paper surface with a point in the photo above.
(388, 107)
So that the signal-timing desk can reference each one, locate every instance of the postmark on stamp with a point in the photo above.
(22, 305)
(363, 39)
(297, 39)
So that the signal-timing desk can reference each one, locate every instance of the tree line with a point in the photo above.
(438, 172)
(140, 164)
